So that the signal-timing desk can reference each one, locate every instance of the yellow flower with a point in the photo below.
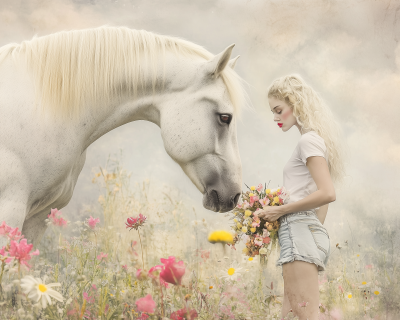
(247, 213)
(253, 230)
(252, 188)
(235, 220)
(251, 194)
(358, 255)
(245, 250)
(251, 259)
(267, 191)
(244, 229)
(376, 292)
(364, 282)
(239, 225)
(220, 236)
(210, 287)
(231, 271)
(276, 199)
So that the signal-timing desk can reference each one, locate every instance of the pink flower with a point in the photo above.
(253, 199)
(264, 202)
(265, 233)
(259, 187)
(368, 266)
(182, 314)
(266, 240)
(92, 222)
(141, 274)
(4, 229)
(125, 267)
(238, 205)
(87, 298)
(55, 218)
(146, 304)
(21, 252)
(340, 288)
(102, 255)
(135, 223)
(7, 231)
(245, 204)
(155, 273)
(173, 271)
(256, 221)
(258, 241)
(94, 287)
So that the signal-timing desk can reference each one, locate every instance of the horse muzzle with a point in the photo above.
(214, 201)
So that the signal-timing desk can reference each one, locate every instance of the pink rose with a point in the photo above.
(173, 271)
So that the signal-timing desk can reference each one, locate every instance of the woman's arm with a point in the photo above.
(325, 194)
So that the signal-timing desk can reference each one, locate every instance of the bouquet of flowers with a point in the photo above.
(258, 234)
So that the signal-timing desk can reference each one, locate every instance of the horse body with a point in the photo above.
(42, 155)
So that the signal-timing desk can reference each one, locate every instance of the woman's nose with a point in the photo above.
(276, 118)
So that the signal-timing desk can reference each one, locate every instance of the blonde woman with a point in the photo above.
(309, 174)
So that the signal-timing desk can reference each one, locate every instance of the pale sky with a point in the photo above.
(349, 51)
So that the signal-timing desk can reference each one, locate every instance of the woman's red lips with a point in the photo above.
(280, 125)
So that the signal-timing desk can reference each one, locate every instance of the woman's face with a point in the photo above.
(283, 114)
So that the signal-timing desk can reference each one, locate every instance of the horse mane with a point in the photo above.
(80, 68)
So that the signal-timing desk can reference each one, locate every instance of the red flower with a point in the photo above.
(173, 271)
(135, 223)
(182, 314)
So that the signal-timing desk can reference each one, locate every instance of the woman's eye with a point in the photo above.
(226, 118)
(279, 112)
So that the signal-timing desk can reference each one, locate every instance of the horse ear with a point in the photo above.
(219, 62)
(232, 62)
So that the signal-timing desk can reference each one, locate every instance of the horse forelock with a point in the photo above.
(76, 69)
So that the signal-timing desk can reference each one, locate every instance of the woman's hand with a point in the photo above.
(270, 213)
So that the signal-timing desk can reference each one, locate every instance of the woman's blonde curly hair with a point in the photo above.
(312, 114)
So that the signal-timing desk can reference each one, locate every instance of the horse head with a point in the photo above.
(198, 127)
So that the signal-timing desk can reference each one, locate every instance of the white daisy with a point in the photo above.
(376, 291)
(349, 296)
(364, 285)
(250, 260)
(231, 272)
(37, 290)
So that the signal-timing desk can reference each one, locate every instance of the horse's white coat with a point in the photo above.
(42, 157)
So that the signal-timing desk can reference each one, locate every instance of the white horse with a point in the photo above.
(60, 93)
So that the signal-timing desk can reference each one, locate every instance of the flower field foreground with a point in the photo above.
(141, 253)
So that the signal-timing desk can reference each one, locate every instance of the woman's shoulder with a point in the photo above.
(311, 137)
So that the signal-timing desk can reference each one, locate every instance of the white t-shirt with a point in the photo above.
(296, 176)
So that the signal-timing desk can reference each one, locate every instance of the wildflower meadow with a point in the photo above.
(143, 253)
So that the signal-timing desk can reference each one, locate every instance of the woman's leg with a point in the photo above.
(302, 289)
(286, 304)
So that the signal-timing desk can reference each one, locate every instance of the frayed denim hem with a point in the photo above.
(298, 257)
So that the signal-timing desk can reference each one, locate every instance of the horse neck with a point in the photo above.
(145, 106)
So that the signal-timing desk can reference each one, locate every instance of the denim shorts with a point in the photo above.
(303, 237)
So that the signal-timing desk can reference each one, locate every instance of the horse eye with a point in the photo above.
(226, 118)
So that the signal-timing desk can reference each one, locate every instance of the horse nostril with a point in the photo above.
(236, 199)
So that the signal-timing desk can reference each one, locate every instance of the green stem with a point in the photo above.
(141, 247)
